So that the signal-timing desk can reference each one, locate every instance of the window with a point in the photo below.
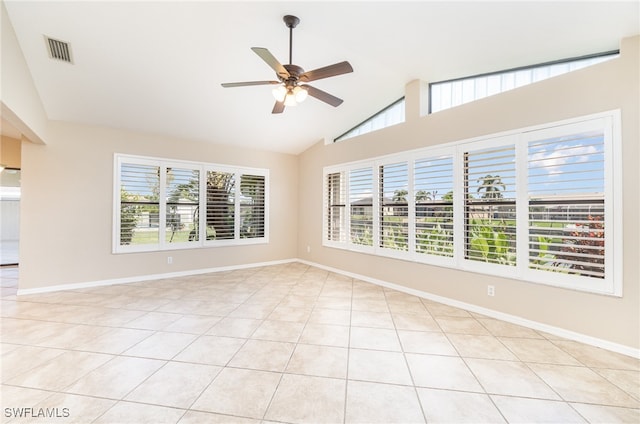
(447, 94)
(433, 195)
(394, 206)
(139, 204)
(221, 205)
(391, 115)
(252, 206)
(490, 205)
(335, 222)
(182, 200)
(536, 204)
(566, 199)
(361, 206)
(159, 204)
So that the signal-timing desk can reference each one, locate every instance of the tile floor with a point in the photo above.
(291, 344)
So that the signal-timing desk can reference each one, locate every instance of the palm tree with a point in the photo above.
(423, 196)
(491, 185)
(400, 196)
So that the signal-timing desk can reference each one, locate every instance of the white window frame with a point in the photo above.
(202, 168)
(609, 122)
(613, 209)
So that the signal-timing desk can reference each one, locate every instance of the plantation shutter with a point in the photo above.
(394, 206)
(220, 216)
(361, 206)
(335, 207)
(182, 200)
(433, 196)
(139, 204)
(490, 205)
(566, 203)
(252, 206)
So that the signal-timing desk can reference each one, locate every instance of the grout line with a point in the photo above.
(406, 361)
(282, 374)
(257, 295)
(346, 376)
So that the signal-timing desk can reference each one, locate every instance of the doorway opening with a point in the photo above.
(9, 216)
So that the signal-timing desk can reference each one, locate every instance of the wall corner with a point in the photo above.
(416, 99)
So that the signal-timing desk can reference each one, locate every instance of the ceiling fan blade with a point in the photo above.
(271, 61)
(278, 107)
(248, 83)
(323, 95)
(327, 71)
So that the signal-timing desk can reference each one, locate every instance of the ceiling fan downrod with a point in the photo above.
(291, 22)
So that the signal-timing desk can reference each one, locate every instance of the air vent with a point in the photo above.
(59, 50)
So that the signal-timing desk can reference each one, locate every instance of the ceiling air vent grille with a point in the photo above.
(59, 50)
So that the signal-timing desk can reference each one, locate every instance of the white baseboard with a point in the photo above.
(556, 331)
(137, 279)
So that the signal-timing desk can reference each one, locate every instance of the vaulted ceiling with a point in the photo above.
(157, 66)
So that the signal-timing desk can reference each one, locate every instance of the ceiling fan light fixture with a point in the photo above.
(290, 99)
(300, 94)
(279, 93)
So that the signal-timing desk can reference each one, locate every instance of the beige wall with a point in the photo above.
(10, 152)
(610, 85)
(67, 207)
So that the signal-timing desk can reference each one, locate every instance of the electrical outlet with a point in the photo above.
(308, 249)
(491, 291)
(169, 260)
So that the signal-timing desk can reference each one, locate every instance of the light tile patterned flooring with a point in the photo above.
(295, 344)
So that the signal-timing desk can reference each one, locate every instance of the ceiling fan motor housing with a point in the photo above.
(294, 74)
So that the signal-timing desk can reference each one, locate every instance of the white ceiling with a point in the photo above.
(157, 66)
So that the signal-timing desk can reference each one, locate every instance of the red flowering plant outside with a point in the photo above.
(586, 247)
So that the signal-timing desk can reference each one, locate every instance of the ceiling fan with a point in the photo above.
(291, 89)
